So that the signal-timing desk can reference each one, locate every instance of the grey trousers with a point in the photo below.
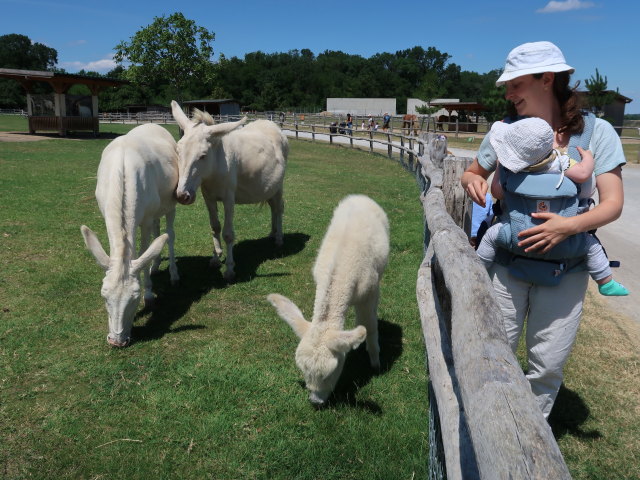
(553, 317)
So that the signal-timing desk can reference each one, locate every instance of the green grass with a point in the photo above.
(209, 389)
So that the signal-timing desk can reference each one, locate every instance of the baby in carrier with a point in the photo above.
(526, 146)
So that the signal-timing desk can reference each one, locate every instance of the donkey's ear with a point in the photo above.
(290, 313)
(95, 247)
(224, 128)
(179, 116)
(150, 253)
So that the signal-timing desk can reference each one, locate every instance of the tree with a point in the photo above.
(19, 52)
(598, 96)
(172, 50)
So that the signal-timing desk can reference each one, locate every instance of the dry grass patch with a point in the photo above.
(595, 419)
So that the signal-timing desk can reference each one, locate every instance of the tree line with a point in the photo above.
(172, 59)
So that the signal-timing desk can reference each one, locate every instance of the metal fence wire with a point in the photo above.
(437, 468)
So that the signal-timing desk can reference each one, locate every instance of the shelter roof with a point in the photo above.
(619, 96)
(55, 77)
(460, 106)
(209, 101)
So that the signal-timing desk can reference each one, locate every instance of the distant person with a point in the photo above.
(386, 119)
(349, 123)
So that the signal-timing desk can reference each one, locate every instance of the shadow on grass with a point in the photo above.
(569, 414)
(197, 279)
(358, 372)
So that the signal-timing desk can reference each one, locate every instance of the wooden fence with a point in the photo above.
(491, 426)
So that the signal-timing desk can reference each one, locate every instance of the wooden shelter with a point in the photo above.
(59, 111)
(462, 109)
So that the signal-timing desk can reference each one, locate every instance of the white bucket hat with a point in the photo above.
(535, 57)
(521, 144)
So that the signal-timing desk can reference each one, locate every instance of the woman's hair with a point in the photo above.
(570, 113)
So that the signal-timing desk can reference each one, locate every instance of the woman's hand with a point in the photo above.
(544, 237)
(474, 181)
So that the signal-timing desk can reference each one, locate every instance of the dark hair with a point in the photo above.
(570, 113)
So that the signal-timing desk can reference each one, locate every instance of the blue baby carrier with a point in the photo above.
(526, 192)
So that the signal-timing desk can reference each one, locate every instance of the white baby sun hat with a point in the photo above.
(534, 57)
(521, 144)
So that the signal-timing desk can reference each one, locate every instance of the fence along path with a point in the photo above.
(491, 425)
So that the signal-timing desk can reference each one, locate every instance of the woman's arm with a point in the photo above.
(474, 181)
(556, 228)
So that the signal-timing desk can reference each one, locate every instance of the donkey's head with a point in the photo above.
(196, 158)
(121, 283)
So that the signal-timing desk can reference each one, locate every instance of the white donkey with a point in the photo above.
(245, 166)
(137, 178)
(348, 269)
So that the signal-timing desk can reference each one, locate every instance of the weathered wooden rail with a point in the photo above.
(491, 426)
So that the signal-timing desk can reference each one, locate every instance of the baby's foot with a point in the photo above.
(613, 289)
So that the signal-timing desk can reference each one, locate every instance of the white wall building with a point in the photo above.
(362, 106)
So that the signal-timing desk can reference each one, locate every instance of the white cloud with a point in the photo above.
(100, 66)
(76, 43)
(565, 6)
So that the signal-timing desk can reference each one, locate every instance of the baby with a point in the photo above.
(518, 147)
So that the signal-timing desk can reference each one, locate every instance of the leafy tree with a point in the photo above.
(173, 51)
(598, 96)
(19, 52)
(495, 103)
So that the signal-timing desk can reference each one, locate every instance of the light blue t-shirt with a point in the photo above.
(605, 146)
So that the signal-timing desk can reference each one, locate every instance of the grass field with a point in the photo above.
(209, 389)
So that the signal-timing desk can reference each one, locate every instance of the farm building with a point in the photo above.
(226, 106)
(362, 106)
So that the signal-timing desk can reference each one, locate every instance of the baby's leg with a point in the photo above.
(488, 245)
(600, 271)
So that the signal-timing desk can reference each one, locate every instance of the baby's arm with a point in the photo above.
(496, 188)
(582, 171)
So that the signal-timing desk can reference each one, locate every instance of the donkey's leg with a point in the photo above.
(216, 228)
(277, 209)
(366, 315)
(145, 237)
(156, 233)
(173, 269)
(228, 236)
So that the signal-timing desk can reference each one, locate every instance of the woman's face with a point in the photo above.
(529, 94)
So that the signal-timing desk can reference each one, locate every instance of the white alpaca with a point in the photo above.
(245, 166)
(137, 178)
(348, 269)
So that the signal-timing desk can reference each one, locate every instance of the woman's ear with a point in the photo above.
(547, 80)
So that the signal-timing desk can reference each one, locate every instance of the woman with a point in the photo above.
(537, 85)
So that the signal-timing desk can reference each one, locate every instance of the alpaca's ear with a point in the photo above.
(344, 340)
(290, 313)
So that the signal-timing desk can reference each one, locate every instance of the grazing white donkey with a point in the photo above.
(137, 178)
(350, 263)
(245, 166)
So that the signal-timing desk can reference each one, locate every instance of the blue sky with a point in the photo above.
(477, 34)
